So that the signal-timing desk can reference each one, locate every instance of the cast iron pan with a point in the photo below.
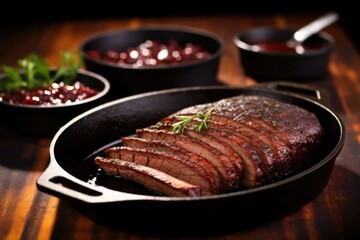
(71, 169)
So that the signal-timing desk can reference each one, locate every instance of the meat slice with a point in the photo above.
(171, 164)
(226, 169)
(151, 178)
(136, 142)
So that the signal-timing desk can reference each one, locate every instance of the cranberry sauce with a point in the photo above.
(153, 53)
(57, 93)
(283, 47)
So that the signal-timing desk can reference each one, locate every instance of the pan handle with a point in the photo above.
(57, 181)
(319, 95)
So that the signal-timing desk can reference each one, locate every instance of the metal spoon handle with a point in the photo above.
(303, 33)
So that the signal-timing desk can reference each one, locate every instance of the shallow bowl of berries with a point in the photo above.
(41, 112)
(152, 58)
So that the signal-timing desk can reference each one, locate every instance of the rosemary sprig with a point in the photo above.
(179, 127)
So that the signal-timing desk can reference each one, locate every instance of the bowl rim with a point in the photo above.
(149, 28)
(247, 47)
(84, 72)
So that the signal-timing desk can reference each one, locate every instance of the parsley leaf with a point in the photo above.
(34, 72)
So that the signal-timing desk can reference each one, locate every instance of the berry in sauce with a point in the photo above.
(153, 53)
(57, 93)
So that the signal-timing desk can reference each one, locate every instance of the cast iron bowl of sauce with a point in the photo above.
(264, 54)
(142, 74)
(42, 112)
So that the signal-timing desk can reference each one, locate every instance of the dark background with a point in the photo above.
(15, 13)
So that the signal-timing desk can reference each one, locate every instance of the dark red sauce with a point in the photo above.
(153, 53)
(57, 93)
(283, 47)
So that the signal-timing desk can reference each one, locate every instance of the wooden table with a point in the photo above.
(27, 213)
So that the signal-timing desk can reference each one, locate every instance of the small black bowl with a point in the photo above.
(45, 121)
(128, 80)
(278, 64)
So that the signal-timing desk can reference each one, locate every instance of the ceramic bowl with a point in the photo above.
(264, 56)
(127, 79)
(44, 121)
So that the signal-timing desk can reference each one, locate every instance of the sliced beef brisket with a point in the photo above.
(216, 143)
(225, 167)
(248, 141)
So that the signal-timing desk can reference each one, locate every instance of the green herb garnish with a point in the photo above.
(34, 72)
(179, 127)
